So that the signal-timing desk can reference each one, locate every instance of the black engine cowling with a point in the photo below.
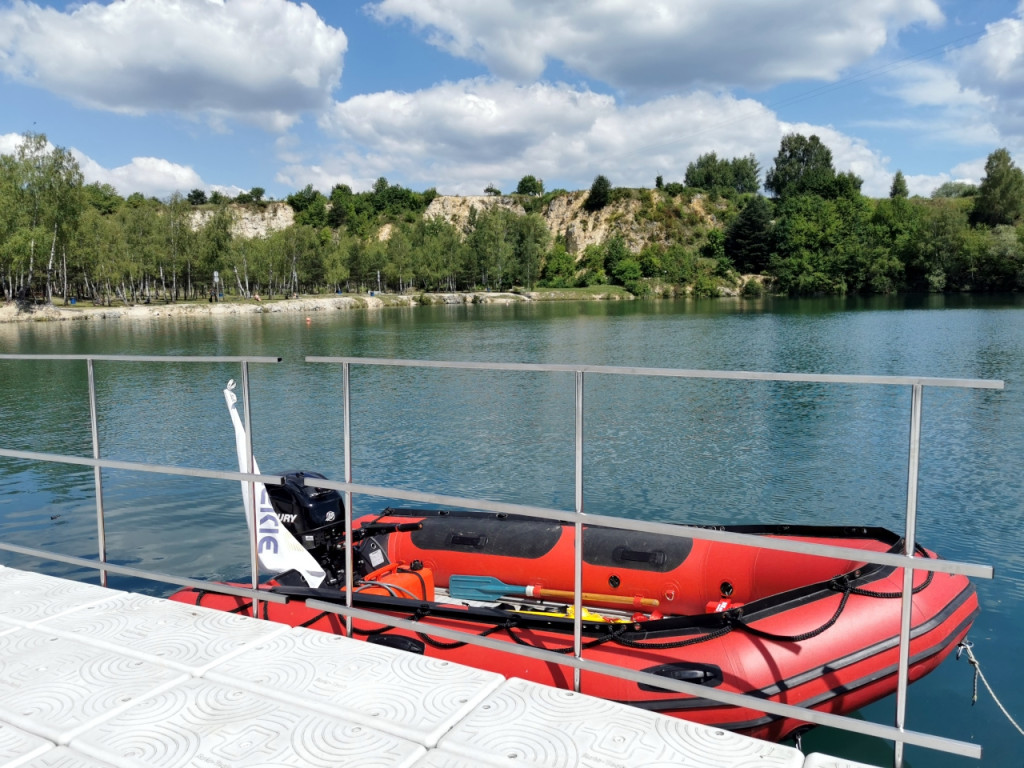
(307, 511)
(314, 516)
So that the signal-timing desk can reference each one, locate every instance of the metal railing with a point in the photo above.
(578, 517)
(99, 464)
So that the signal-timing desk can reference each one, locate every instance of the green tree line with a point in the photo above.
(815, 233)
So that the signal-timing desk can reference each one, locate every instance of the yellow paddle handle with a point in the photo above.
(594, 597)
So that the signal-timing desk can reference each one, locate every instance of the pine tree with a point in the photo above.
(600, 194)
(899, 187)
(748, 239)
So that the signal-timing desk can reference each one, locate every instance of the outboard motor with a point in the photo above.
(315, 517)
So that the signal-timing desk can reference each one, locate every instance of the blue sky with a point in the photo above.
(156, 96)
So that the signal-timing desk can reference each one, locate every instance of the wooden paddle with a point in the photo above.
(488, 588)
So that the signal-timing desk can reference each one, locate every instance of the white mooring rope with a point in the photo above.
(966, 646)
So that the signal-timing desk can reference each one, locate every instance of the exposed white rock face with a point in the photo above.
(455, 210)
(566, 217)
(251, 221)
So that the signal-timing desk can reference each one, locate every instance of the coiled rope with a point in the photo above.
(966, 646)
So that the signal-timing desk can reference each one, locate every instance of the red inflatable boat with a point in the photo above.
(810, 631)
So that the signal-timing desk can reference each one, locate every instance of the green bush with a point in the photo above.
(706, 287)
(753, 289)
(639, 288)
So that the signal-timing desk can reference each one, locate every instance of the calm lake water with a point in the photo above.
(683, 450)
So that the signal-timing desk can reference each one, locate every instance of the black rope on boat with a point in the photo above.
(420, 613)
(731, 620)
(839, 583)
(675, 644)
(315, 619)
(201, 593)
(892, 595)
(370, 632)
(734, 621)
(508, 626)
(613, 635)
(456, 643)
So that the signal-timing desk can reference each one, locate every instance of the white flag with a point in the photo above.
(277, 549)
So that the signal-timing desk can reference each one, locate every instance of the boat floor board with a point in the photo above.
(97, 678)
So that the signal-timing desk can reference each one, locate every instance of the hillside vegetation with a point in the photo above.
(710, 233)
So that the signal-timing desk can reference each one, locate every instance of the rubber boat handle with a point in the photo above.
(489, 588)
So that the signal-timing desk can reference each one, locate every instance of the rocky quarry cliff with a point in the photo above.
(249, 221)
(565, 217)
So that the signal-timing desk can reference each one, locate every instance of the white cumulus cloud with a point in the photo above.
(9, 143)
(994, 67)
(663, 45)
(263, 61)
(463, 136)
(152, 176)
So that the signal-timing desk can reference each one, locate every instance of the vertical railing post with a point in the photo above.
(254, 560)
(577, 630)
(909, 545)
(101, 527)
(347, 417)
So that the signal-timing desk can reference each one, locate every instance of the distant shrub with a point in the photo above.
(753, 289)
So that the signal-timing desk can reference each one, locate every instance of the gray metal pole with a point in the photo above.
(254, 559)
(101, 528)
(347, 416)
(577, 640)
(909, 544)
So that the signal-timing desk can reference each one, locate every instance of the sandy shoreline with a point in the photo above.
(11, 312)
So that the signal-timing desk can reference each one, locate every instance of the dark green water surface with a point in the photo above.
(692, 451)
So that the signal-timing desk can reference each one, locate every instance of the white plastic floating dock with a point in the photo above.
(96, 678)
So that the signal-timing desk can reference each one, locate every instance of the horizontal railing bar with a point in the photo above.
(942, 744)
(818, 378)
(152, 358)
(124, 570)
(670, 529)
(85, 461)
